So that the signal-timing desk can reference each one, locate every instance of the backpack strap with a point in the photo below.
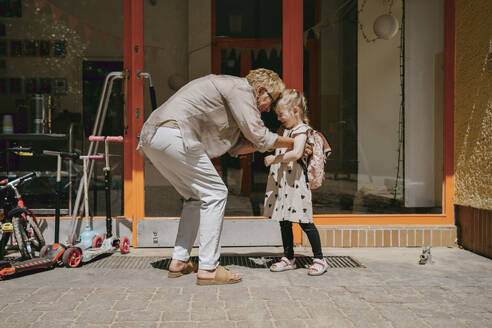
(304, 168)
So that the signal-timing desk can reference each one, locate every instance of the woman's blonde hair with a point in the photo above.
(291, 98)
(266, 78)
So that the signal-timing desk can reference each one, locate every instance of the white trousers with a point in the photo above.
(196, 179)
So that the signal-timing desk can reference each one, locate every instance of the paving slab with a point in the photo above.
(392, 290)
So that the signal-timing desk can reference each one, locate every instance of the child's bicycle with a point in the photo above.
(18, 221)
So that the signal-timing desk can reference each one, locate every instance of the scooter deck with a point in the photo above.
(32, 264)
(107, 247)
(92, 253)
(47, 262)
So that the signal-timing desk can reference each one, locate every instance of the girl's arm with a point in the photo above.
(291, 155)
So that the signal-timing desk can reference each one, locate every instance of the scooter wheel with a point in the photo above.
(97, 242)
(124, 245)
(44, 250)
(72, 257)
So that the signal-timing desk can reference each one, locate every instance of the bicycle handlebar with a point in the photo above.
(107, 138)
(20, 180)
(19, 149)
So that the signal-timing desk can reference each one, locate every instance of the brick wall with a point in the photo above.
(398, 236)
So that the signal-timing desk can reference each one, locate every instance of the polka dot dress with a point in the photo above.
(288, 196)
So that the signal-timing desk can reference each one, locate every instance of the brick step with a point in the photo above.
(398, 236)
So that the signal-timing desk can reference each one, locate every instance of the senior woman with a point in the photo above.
(204, 119)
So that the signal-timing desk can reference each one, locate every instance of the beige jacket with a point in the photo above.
(215, 112)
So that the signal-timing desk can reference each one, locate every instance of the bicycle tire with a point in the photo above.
(38, 241)
(3, 244)
(27, 252)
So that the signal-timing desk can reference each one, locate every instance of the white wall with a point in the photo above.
(199, 38)
(424, 43)
(378, 100)
(166, 51)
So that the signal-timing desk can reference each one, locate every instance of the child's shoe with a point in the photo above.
(318, 267)
(284, 265)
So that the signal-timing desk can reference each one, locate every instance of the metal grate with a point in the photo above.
(253, 262)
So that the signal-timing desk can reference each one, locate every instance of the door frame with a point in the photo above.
(292, 44)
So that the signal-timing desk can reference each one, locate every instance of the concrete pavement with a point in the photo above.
(392, 291)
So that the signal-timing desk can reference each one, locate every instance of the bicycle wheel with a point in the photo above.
(23, 242)
(3, 243)
(37, 239)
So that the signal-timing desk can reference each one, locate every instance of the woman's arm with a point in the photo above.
(246, 148)
(292, 155)
(283, 142)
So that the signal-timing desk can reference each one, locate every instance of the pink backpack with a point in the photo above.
(315, 170)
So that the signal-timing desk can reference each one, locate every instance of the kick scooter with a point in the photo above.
(91, 244)
(89, 239)
(110, 242)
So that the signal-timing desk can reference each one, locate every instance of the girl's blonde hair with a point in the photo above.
(291, 98)
(266, 78)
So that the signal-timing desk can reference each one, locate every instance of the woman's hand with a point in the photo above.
(269, 160)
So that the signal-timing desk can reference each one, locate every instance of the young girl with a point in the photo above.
(288, 197)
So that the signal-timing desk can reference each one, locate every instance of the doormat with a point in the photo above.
(253, 262)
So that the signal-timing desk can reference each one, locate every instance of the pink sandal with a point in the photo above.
(319, 266)
(284, 265)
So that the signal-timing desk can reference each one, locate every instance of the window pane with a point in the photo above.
(54, 57)
(379, 100)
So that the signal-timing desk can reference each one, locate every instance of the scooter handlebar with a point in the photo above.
(96, 138)
(100, 156)
(115, 139)
(107, 138)
(63, 154)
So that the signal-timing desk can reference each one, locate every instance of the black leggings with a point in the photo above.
(288, 239)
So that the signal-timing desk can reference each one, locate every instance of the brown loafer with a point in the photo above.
(188, 268)
(222, 277)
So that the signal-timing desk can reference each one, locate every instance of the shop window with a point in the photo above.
(377, 93)
(44, 45)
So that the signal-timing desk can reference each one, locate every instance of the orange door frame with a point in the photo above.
(133, 59)
(292, 45)
(293, 59)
